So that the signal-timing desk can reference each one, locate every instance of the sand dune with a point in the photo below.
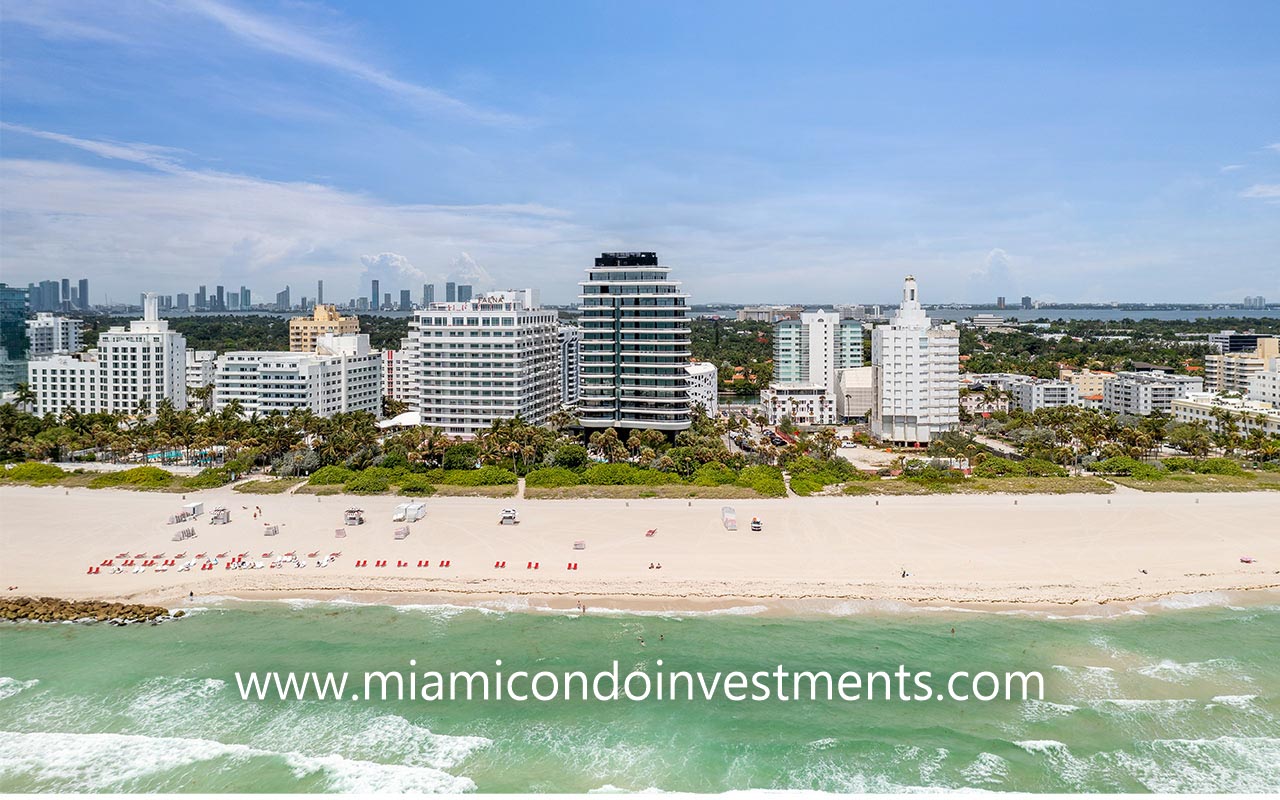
(984, 550)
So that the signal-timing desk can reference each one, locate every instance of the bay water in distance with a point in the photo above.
(1155, 699)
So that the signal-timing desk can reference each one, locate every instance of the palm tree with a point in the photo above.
(23, 397)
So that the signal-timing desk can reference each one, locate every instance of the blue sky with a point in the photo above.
(807, 152)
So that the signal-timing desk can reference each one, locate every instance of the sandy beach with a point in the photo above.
(989, 551)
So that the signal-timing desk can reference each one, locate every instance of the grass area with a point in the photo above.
(307, 488)
(638, 492)
(268, 486)
(1191, 482)
(1013, 485)
(447, 490)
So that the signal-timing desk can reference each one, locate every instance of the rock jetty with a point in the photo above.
(51, 609)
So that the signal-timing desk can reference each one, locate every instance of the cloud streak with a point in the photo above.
(1263, 191)
(285, 40)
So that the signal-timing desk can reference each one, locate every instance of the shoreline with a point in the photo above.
(1072, 554)
(806, 608)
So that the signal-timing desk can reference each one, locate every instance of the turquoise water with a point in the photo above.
(1172, 701)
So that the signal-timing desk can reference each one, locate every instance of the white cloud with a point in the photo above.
(1231, 168)
(168, 227)
(150, 155)
(286, 40)
(1275, 147)
(1265, 191)
(466, 270)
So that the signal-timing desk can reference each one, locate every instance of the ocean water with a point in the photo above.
(1174, 700)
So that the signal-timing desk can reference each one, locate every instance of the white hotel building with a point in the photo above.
(133, 368)
(342, 375)
(704, 386)
(915, 374)
(494, 357)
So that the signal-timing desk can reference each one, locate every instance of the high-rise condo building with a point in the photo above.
(464, 293)
(245, 298)
(635, 345)
(304, 331)
(569, 338)
(406, 301)
(83, 294)
(48, 334)
(492, 358)
(319, 293)
(282, 300)
(915, 374)
(808, 355)
(450, 292)
(428, 294)
(374, 298)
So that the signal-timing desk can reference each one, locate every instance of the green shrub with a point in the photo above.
(1040, 468)
(809, 475)
(367, 482)
(35, 472)
(136, 478)
(485, 476)
(1208, 466)
(416, 486)
(764, 480)
(997, 467)
(552, 477)
(628, 475)
(714, 474)
(571, 456)
(330, 476)
(209, 478)
(1126, 466)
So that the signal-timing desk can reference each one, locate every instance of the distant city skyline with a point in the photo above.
(1087, 152)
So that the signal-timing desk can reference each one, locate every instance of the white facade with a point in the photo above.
(494, 357)
(1030, 393)
(916, 374)
(398, 381)
(704, 386)
(569, 339)
(342, 375)
(808, 355)
(201, 366)
(1249, 415)
(803, 404)
(1265, 386)
(64, 381)
(635, 345)
(1144, 393)
(1037, 393)
(856, 394)
(140, 367)
(48, 334)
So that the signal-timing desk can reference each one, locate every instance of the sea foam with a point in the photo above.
(12, 686)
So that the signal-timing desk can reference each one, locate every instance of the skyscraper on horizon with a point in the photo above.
(245, 297)
(320, 293)
(406, 302)
(84, 294)
(428, 294)
(464, 293)
(450, 292)
(374, 296)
